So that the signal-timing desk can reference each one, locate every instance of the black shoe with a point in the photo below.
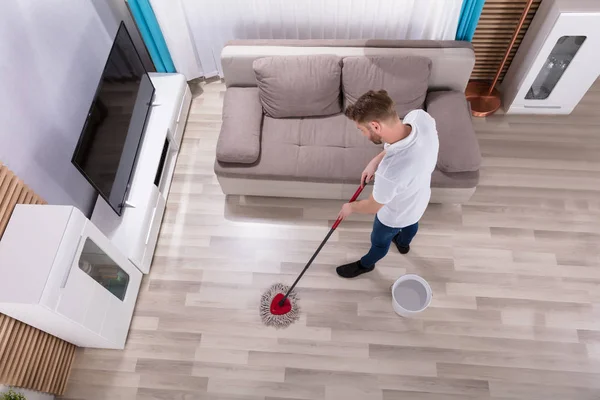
(352, 270)
(401, 249)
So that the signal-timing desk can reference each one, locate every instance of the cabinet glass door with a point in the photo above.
(103, 269)
(554, 67)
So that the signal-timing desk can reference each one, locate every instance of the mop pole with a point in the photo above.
(335, 225)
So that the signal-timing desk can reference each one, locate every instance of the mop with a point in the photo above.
(279, 304)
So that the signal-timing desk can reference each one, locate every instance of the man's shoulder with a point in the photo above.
(424, 123)
(419, 115)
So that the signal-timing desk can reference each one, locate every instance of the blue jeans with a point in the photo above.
(382, 237)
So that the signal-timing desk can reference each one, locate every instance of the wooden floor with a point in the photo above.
(515, 275)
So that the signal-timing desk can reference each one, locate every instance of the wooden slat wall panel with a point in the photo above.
(29, 358)
(498, 21)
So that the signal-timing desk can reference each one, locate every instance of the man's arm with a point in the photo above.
(368, 206)
(369, 172)
(377, 159)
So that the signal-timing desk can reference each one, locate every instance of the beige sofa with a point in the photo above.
(284, 133)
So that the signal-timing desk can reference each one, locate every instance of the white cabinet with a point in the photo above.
(135, 232)
(60, 274)
(557, 61)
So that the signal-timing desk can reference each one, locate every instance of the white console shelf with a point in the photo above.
(60, 274)
(135, 232)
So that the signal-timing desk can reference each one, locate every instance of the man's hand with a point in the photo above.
(368, 173)
(345, 211)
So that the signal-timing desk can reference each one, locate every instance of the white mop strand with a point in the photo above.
(278, 321)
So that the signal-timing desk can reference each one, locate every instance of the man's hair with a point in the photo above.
(371, 106)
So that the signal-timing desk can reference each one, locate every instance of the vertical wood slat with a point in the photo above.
(45, 365)
(66, 374)
(33, 346)
(43, 369)
(496, 25)
(11, 348)
(56, 365)
(5, 339)
(17, 349)
(33, 371)
(29, 358)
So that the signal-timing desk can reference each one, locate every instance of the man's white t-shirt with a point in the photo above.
(403, 178)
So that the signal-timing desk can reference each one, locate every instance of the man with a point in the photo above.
(402, 174)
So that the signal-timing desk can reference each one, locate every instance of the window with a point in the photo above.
(557, 62)
(103, 269)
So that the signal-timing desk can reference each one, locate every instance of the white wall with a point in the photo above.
(112, 12)
(52, 53)
(30, 395)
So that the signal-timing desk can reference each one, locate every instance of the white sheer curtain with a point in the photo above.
(171, 17)
(213, 23)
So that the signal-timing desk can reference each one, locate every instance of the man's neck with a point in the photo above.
(398, 132)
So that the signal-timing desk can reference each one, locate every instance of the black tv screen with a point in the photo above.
(108, 146)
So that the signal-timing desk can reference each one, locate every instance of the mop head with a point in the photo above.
(272, 314)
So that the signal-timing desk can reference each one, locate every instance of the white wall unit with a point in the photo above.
(61, 275)
(135, 232)
(557, 61)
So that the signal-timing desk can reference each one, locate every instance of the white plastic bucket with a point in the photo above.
(411, 294)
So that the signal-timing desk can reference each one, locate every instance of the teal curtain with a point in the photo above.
(144, 17)
(469, 17)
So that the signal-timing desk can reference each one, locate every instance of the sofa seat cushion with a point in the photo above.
(459, 149)
(326, 149)
(454, 180)
(299, 86)
(239, 139)
(405, 78)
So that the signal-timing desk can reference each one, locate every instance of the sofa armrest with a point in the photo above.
(239, 140)
(459, 150)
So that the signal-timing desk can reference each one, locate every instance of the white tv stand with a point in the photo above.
(135, 232)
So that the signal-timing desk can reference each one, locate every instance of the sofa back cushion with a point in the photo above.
(299, 86)
(405, 78)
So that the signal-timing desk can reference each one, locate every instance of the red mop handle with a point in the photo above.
(354, 197)
(335, 225)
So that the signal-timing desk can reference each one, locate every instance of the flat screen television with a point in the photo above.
(108, 146)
